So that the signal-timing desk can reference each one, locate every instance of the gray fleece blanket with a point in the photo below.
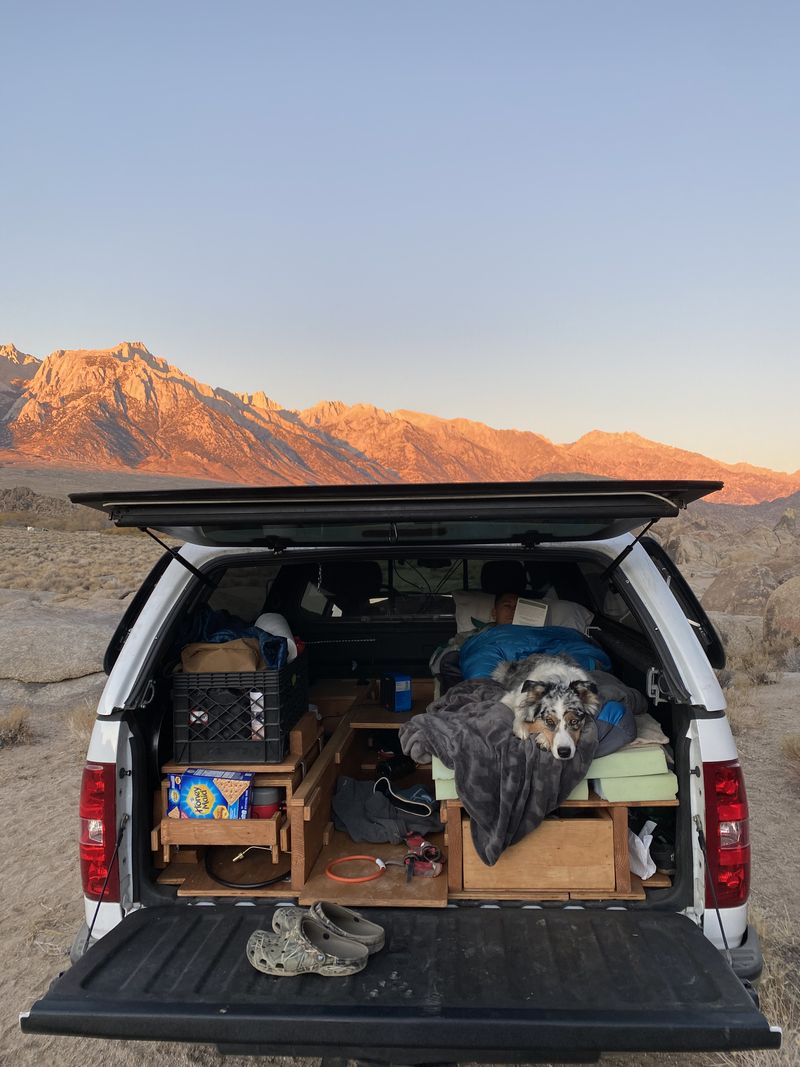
(507, 786)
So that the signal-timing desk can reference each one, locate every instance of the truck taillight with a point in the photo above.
(727, 834)
(98, 816)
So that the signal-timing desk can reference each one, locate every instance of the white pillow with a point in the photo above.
(475, 608)
(278, 626)
(472, 604)
(568, 613)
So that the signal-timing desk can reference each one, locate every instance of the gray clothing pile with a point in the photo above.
(507, 786)
(367, 815)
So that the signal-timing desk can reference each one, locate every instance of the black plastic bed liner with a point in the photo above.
(479, 984)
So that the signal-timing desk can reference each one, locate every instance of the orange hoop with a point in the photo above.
(362, 878)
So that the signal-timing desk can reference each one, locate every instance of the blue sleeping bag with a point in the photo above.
(480, 655)
(616, 726)
(495, 644)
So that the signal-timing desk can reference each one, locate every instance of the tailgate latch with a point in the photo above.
(656, 686)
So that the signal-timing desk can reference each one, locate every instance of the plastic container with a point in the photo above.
(237, 717)
(396, 692)
(266, 800)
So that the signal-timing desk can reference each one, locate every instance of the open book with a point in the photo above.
(530, 612)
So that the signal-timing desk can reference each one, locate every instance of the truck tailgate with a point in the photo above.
(478, 984)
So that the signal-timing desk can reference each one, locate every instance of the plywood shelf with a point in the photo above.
(391, 890)
(257, 868)
(200, 884)
(261, 770)
(375, 717)
(594, 801)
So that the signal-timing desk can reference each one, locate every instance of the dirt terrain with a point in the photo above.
(89, 583)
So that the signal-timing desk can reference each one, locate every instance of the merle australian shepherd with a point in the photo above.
(554, 694)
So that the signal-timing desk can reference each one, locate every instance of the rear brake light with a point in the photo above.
(727, 834)
(98, 821)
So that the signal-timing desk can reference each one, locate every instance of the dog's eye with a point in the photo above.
(575, 723)
(551, 723)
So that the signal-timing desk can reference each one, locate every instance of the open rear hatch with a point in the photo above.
(473, 984)
(527, 513)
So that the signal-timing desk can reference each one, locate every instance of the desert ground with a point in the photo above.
(61, 594)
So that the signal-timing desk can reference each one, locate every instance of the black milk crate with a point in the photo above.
(215, 717)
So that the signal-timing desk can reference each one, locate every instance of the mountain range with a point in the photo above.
(123, 408)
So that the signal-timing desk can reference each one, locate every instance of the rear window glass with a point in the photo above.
(242, 590)
(342, 590)
(337, 590)
(403, 588)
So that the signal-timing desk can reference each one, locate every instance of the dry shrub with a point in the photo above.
(15, 727)
(761, 664)
(80, 723)
(49, 928)
(791, 749)
(70, 523)
(74, 565)
(742, 711)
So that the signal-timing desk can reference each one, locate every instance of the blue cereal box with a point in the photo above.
(200, 793)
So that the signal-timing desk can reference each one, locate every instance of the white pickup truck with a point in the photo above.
(366, 575)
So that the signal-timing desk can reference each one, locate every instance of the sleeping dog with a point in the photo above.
(553, 693)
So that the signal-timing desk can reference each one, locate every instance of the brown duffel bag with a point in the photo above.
(243, 654)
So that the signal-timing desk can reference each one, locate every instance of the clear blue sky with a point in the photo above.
(556, 216)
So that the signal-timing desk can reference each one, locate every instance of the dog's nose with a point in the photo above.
(564, 752)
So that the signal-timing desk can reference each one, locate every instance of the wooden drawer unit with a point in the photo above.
(573, 854)
(229, 832)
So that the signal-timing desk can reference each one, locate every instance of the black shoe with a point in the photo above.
(662, 852)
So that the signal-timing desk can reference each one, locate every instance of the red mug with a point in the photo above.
(265, 801)
(263, 811)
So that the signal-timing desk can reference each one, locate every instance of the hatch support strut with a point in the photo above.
(176, 555)
(627, 550)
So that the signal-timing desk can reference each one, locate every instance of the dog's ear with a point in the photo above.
(587, 691)
(535, 690)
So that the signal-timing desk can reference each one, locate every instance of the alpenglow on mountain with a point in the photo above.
(123, 408)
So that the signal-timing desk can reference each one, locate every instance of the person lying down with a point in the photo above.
(477, 611)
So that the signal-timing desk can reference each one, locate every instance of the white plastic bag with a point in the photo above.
(641, 862)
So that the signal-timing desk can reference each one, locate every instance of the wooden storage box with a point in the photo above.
(565, 854)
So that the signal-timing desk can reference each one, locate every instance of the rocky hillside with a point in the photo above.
(125, 409)
(21, 506)
(423, 447)
(16, 370)
(627, 455)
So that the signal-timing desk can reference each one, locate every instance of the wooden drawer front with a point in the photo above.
(222, 831)
(560, 854)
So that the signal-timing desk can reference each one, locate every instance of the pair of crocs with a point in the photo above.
(326, 939)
